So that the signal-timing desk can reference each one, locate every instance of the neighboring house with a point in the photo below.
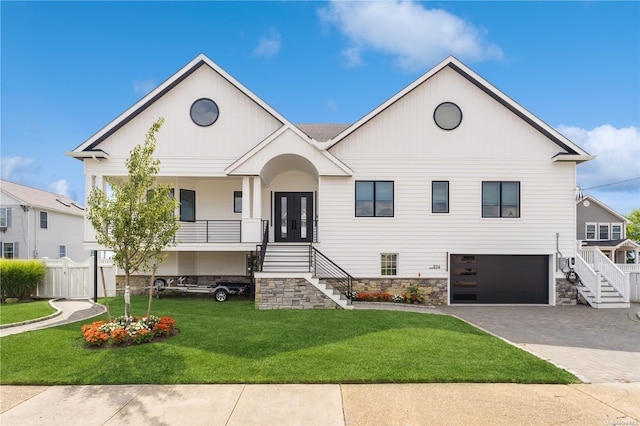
(36, 224)
(449, 184)
(600, 226)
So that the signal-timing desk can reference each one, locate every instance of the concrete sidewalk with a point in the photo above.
(324, 405)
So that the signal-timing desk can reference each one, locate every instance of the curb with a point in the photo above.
(31, 321)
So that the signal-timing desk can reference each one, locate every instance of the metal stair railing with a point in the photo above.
(323, 267)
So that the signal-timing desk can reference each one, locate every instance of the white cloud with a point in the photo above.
(269, 44)
(60, 187)
(416, 36)
(142, 87)
(618, 160)
(18, 169)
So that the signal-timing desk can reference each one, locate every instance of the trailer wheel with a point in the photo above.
(220, 295)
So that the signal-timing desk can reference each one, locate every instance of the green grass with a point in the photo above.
(24, 311)
(232, 342)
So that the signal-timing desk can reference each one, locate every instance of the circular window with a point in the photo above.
(447, 116)
(204, 112)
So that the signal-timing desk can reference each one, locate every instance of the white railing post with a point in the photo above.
(598, 287)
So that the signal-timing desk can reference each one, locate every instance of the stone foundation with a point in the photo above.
(566, 293)
(290, 293)
(434, 290)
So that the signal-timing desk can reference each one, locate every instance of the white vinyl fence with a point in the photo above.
(68, 279)
(633, 270)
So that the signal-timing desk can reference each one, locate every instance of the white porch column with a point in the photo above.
(246, 198)
(257, 197)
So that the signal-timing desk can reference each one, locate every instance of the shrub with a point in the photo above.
(20, 278)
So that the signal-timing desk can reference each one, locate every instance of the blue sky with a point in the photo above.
(69, 68)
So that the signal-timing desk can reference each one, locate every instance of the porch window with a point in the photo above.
(590, 231)
(187, 205)
(440, 197)
(374, 198)
(44, 219)
(616, 231)
(237, 201)
(603, 231)
(62, 251)
(388, 264)
(501, 199)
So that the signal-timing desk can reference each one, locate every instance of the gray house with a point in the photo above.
(36, 224)
(600, 226)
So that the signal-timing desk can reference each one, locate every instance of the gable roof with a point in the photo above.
(89, 148)
(602, 205)
(572, 151)
(40, 199)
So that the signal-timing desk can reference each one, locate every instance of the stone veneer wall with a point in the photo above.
(434, 290)
(566, 292)
(290, 293)
(137, 283)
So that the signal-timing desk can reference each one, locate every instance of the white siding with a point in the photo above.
(184, 148)
(404, 145)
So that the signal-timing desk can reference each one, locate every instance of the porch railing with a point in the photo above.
(323, 267)
(588, 277)
(618, 279)
(210, 231)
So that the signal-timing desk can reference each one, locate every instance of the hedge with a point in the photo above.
(20, 278)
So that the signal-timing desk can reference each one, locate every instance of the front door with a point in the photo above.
(294, 217)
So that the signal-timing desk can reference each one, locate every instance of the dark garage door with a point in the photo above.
(499, 279)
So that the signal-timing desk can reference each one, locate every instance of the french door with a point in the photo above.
(293, 217)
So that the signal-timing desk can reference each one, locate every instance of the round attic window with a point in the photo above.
(204, 112)
(447, 116)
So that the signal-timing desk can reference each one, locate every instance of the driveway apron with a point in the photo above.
(598, 345)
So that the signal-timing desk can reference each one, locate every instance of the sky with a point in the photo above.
(69, 68)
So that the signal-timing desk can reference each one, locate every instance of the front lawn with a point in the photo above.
(24, 311)
(232, 342)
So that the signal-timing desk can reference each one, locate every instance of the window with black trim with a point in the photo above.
(374, 198)
(237, 201)
(44, 219)
(187, 205)
(501, 199)
(388, 264)
(440, 196)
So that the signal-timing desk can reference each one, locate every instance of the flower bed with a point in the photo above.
(118, 333)
(414, 295)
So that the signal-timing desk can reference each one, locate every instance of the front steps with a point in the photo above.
(609, 296)
(333, 294)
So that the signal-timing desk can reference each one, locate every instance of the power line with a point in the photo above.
(613, 183)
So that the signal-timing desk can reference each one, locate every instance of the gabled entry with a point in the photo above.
(293, 217)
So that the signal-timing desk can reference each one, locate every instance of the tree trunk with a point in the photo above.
(106, 296)
(151, 285)
(127, 298)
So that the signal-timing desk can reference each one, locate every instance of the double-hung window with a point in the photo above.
(44, 220)
(62, 252)
(616, 231)
(187, 205)
(374, 198)
(590, 233)
(5, 217)
(389, 264)
(9, 250)
(501, 199)
(603, 231)
(440, 197)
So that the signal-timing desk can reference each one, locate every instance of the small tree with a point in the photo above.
(633, 228)
(136, 221)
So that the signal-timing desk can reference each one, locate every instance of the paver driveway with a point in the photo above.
(598, 345)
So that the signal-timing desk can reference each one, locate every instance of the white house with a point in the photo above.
(36, 224)
(449, 184)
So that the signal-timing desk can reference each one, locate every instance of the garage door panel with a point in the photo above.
(499, 279)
